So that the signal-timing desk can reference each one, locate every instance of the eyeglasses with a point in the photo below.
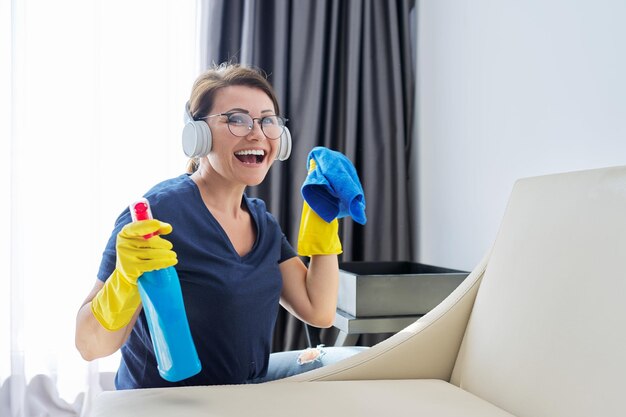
(240, 124)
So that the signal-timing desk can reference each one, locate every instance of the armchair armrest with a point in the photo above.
(427, 349)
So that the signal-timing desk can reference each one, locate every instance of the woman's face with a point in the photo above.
(241, 159)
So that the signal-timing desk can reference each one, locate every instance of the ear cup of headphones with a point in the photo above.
(197, 139)
(284, 146)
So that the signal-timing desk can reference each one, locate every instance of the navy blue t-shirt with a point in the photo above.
(231, 301)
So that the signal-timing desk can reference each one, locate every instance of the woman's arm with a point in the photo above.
(108, 314)
(311, 294)
(94, 341)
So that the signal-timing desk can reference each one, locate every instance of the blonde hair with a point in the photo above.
(210, 82)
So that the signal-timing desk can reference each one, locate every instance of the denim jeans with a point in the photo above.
(285, 364)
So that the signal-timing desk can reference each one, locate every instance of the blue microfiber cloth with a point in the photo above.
(333, 189)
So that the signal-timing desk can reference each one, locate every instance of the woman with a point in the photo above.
(234, 263)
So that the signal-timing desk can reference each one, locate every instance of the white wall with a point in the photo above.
(509, 89)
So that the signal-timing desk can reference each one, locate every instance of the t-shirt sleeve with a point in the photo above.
(286, 250)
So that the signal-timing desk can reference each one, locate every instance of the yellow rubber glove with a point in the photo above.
(117, 301)
(316, 236)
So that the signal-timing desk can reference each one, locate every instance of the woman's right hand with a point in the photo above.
(116, 302)
(136, 254)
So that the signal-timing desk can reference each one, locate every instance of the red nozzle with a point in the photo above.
(140, 210)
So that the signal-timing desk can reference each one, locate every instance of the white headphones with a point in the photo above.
(197, 138)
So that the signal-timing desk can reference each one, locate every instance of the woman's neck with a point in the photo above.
(218, 194)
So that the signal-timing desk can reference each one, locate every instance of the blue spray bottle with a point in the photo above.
(163, 305)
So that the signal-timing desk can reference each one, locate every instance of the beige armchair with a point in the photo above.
(537, 329)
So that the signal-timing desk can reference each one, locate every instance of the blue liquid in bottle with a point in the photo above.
(162, 300)
(163, 306)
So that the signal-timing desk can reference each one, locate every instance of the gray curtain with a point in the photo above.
(344, 74)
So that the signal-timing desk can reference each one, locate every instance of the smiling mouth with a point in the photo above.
(250, 156)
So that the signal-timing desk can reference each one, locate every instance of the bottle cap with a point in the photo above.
(140, 210)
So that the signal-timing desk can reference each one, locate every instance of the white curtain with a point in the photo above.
(92, 96)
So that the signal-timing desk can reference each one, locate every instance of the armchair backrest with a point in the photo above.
(547, 333)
